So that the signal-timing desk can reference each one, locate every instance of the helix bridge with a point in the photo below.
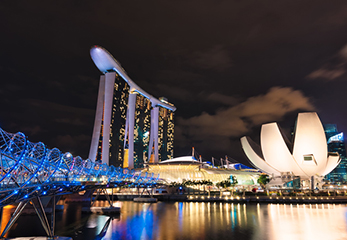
(30, 172)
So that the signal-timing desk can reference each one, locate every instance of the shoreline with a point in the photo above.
(235, 199)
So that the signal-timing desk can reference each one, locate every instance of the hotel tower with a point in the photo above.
(131, 127)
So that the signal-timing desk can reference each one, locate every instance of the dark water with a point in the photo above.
(183, 220)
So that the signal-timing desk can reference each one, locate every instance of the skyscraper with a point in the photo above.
(117, 123)
(131, 126)
(336, 143)
(166, 132)
(142, 130)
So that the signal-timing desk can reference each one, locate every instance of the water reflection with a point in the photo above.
(183, 220)
(307, 222)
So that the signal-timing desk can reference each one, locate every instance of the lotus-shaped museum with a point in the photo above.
(307, 156)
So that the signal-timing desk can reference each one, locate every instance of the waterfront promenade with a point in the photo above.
(306, 199)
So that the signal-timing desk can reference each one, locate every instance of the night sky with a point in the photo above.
(228, 66)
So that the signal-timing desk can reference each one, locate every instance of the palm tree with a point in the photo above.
(263, 180)
(234, 182)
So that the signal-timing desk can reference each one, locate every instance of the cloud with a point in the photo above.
(73, 120)
(216, 58)
(65, 127)
(32, 130)
(334, 69)
(272, 106)
(329, 74)
(177, 92)
(343, 52)
(217, 130)
(221, 98)
(68, 142)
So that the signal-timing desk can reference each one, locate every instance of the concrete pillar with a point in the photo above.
(312, 187)
(98, 120)
(131, 124)
(154, 134)
(108, 105)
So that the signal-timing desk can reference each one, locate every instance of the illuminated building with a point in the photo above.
(187, 168)
(336, 143)
(131, 126)
(117, 122)
(308, 158)
(166, 133)
(142, 130)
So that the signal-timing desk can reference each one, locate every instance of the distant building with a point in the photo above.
(336, 143)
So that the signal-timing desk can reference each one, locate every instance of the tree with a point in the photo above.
(224, 184)
(234, 181)
(263, 180)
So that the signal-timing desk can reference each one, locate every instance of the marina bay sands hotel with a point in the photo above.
(131, 127)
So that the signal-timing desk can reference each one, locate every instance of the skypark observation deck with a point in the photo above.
(105, 62)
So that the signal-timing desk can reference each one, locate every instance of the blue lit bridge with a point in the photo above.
(32, 173)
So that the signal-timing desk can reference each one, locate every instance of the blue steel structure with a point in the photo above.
(30, 172)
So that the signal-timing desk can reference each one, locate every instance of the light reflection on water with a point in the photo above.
(192, 220)
(307, 222)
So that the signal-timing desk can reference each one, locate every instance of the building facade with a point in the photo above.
(166, 133)
(336, 143)
(142, 130)
(131, 127)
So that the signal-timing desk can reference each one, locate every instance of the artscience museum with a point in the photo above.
(305, 159)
